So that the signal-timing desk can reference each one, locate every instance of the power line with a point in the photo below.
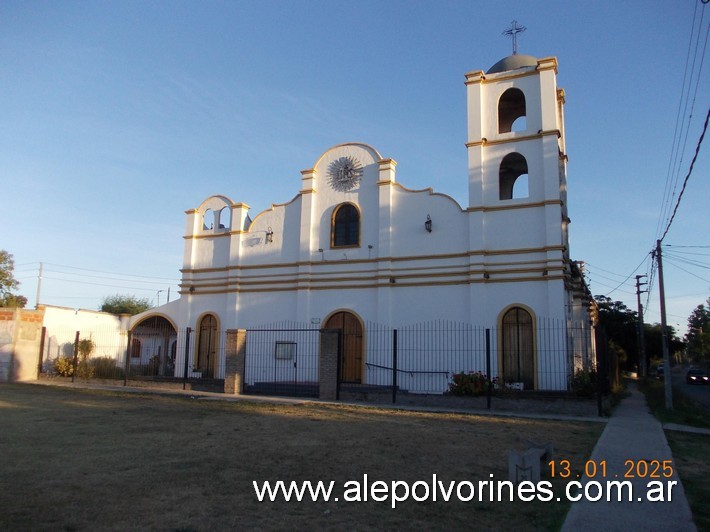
(101, 284)
(676, 153)
(686, 271)
(629, 277)
(602, 269)
(690, 171)
(688, 261)
(109, 273)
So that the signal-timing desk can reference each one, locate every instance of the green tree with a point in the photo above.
(8, 283)
(698, 335)
(120, 304)
(620, 324)
(654, 341)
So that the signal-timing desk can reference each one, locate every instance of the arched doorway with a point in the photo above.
(150, 344)
(207, 342)
(518, 347)
(352, 360)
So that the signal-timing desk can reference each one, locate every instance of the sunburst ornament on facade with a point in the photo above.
(344, 174)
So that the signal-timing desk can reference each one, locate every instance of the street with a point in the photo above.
(697, 392)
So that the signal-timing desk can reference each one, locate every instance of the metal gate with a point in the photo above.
(282, 362)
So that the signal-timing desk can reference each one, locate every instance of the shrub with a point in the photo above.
(472, 383)
(584, 383)
(64, 366)
(84, 370)
(86, 347)
(106, 368)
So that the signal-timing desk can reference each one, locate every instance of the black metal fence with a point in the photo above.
(158, 353)
(423, 358)
(283, 359)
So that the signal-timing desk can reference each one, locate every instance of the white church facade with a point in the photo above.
(355, 249)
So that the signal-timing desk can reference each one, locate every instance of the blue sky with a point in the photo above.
(119, 116)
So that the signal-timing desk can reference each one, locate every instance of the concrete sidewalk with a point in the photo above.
(631, 434)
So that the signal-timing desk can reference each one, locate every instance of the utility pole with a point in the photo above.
(641, 342)
(39, 283)
(664, 331)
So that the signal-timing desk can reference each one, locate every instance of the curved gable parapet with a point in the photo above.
(373, 152)
(430, 192)
(262, 219)
(215, 202)
(216, 215)
(343, 169)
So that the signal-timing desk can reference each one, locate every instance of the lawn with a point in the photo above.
(75, 459)
(690, 451)
(685, 410)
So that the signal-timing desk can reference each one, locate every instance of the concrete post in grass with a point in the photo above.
(234, 361)
(328, 365)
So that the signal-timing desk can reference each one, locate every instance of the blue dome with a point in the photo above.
(513, 62)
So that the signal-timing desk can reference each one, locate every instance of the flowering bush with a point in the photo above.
(64, 366)
(471, 383)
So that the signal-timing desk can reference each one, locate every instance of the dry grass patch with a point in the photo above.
(82, 459)
(690, 452)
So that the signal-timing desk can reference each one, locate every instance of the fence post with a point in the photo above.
(187, 354)
(127, 363)
(601, 369)
(41, 352)
(234, 361)
(488, 369)
(339, 363)
(76, 354)
(394, 366)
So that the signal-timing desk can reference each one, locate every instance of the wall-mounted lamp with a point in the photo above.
(269, 235)
(427, 224)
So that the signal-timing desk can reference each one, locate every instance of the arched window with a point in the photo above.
(225, 218)
(518, 348)
(511, 111)
(208, 220)
(512, 167)
(345, 226)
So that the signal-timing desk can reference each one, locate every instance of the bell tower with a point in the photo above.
(516, 157)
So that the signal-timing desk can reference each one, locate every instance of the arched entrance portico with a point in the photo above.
(151, 351)
(351, 365)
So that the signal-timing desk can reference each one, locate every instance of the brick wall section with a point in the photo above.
(19, 343)
(234, 361)
(21, 314)
(328, 366)
(7, 314)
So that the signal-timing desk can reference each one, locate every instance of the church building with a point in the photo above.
(355, 249)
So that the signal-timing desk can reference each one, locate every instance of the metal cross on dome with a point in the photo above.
(513, 31)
